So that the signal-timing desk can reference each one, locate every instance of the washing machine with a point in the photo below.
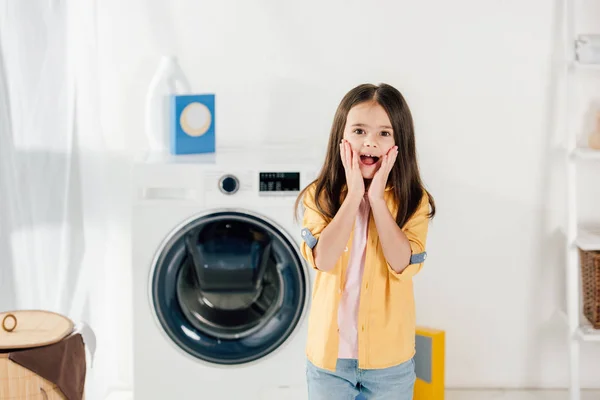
(220, 289)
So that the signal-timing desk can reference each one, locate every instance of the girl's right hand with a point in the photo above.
(354, 178)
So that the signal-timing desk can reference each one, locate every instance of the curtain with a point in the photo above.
(61, 234)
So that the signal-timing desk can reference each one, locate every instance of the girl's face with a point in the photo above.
(370, 133)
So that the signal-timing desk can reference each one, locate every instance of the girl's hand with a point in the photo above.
(354, 178)
(377, 186)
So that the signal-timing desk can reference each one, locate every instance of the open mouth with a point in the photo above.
(368, 159)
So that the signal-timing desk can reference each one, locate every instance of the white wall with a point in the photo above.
(478, 77)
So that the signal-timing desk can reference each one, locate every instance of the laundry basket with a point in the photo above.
(590, 280)
(41, 357)
(17, 382)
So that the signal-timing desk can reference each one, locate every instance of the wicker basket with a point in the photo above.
(590, 280)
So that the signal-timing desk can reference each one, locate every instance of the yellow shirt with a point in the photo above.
(386, 316)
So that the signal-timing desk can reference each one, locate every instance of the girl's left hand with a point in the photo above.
(377, 186)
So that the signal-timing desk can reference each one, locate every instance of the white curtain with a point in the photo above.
(37, 141)
(61, 228)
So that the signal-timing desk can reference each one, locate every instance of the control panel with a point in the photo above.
(278, 182)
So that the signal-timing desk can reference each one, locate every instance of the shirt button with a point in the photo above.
(363, 328)
(367, 285)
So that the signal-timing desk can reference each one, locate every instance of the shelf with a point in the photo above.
(588, 239)
(582, 66)
(587, 333)
(584, 153)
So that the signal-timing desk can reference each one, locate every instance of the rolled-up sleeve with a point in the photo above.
(416, 231)
(313, 224)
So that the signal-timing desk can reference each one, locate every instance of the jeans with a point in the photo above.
(349, 382)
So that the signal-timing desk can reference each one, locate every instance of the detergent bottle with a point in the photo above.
(168, 80)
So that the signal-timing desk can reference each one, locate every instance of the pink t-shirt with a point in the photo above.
(349, 302)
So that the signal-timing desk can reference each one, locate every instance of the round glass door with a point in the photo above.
(229, 287)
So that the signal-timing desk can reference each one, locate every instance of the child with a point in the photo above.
(364, 229)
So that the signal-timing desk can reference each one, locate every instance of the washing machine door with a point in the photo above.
(229, 287)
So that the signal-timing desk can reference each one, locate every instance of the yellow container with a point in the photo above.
(430, 364)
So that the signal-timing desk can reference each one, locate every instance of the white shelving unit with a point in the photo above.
(586, 154)
(582, 67)
(588, 240)
(580, 331)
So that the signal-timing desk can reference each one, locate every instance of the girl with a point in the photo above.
(364, 230)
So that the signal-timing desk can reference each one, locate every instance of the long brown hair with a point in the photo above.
(404, 178)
